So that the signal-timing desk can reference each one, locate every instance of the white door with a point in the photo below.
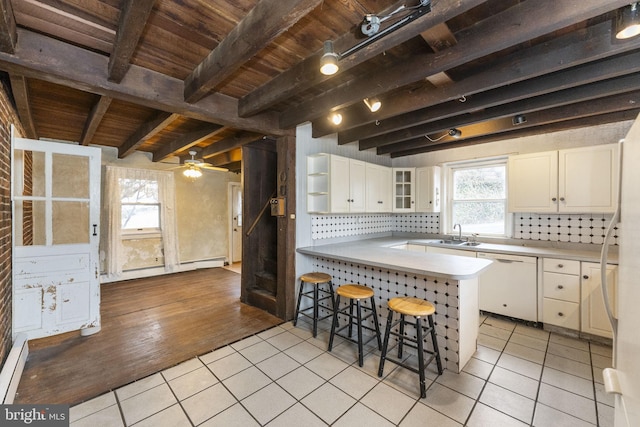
(236, 222)
(56, 213)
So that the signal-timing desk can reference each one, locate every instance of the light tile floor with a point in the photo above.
(520, 376)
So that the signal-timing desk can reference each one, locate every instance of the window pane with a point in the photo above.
(70, 222)
(480, 217)
(70, 176)
(479, 183)
(138, 191)
(140, 216)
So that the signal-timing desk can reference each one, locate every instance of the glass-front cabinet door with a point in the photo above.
(404, 189)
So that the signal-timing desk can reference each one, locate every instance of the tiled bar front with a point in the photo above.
(456, 328)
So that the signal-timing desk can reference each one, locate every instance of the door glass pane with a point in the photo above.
(29, 223)
(70, 176)
(29, 173)
(70, 222)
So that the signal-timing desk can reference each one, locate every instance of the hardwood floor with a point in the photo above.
(147, 325)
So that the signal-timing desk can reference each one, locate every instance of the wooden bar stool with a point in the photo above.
(315, 280)
(355, 293)
(417, 308)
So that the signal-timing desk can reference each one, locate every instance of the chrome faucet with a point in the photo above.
(459, 230)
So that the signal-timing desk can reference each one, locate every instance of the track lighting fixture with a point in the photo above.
(627, 22)
(329, 60)
(519, 119)
(453, 133)
(336, 118)
(373, 104)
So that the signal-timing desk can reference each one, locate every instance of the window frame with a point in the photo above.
(450, 169)
(144, 232)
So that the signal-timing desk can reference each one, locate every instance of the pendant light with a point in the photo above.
(329, 60)
(627, 23)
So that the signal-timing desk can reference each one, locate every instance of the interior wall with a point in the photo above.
(8, 116)
(201, 211)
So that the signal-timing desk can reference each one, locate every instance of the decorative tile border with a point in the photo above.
(569, 228)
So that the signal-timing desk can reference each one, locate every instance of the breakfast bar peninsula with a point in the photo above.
(450, 282)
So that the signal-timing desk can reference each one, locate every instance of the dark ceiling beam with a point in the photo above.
(223, 159)
(518, 24)
(42, 57)
(266, 21)
(148, 130)
(598, 93)
(563, 52)
(433, 120)
(185, 142)
(306, 73)
(95, 118)
(8, 35)
(20, 90)
(596, 120)
(133, 19)
(228, 144)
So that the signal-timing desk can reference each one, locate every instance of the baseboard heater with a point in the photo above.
(158, 271)
(12, 369)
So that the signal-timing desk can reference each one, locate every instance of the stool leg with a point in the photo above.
(435, 344)
(350, 317)
(423, 389)
(401, 337)
(315, 310)
(295, 319)
(359, 326)
(385, 345)
(332, 295)
(334, 324)
(375, 322)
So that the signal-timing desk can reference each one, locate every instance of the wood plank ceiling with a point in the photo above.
(163, 76)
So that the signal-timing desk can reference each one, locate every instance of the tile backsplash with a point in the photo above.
(569, 228)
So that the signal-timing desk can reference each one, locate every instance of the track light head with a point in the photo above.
(519, 119)
(329, 60)
(336, 118)
(373, 104)
(627, 22)
(455, 133)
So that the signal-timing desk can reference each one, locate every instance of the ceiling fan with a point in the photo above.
(194, 166)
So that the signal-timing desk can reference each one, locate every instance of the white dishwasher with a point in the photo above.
(510, 286)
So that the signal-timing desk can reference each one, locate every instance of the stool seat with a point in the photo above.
(411, 306)
(315, 277)
(354, 291)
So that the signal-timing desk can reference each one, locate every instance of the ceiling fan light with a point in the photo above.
(627, 22)
(455, 133)
(192, 172)
(373, 104)
(329, 60)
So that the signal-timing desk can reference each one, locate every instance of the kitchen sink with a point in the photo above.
(455, 242)
(470, 244)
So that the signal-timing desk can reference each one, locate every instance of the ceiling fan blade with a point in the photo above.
(214, 168)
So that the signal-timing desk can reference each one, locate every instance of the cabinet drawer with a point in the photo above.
(564, 266)
(561, 313)
(561, 286)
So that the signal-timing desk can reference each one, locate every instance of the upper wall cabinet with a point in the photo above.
(404, 190)
(428, 189)
(577, 180)
(335, 184)
(378, 188)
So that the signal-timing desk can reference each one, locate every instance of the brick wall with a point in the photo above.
(8, 116)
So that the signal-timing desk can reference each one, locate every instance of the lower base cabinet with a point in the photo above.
(594, 315)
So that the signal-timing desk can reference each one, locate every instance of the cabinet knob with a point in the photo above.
(560, 287)
(561, 314)
(554, 199)
(504, 305)
(585, 277)
(560, 265)
(562, 199)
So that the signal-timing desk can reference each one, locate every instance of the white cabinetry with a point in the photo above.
(594, 315)
(561, 291)
(580, 180)
(403, 190)
(378, 188)
(509, 286)
(335, 184)
(450, 251)
(428, 189)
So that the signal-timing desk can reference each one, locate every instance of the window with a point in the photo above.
(140, 205)
(478, 197)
